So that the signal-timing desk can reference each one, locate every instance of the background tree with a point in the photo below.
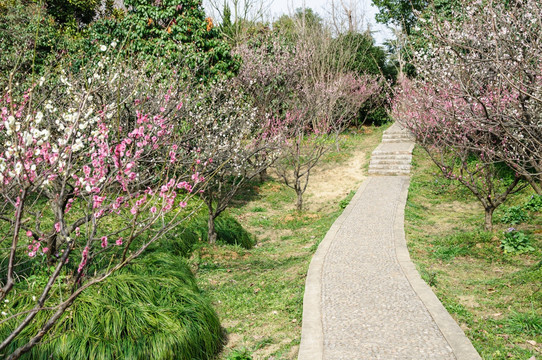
(175, 35)
(74, 13)
(447, 128)
(240, 20)
(29, 41)
(230, 139)
(327, 97)
(480, 97)
(400, 13)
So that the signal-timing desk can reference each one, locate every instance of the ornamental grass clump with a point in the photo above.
(150, 309)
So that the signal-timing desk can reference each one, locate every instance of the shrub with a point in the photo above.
(515, 242)
(175, 34)
(534, 203)
(514, 215)
(29, 39)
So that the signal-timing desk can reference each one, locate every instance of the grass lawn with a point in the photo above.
(258, 293)
(496, 297)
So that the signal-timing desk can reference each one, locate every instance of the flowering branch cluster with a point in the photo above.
(74, 154)
(309, 97)
(477, 93)
(235, 144)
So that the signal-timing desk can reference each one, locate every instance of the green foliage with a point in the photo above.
(242, 354)
(73, 13)
(514, 215)
(286, 25)
(29, 39)
(152, 309)
(399, 12)
(369, 59)
(174, 34)
(524, 323)
(516, 242)
(534, 203)
(228, 229)
(344, 203)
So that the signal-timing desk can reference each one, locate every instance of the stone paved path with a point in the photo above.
(363, 297)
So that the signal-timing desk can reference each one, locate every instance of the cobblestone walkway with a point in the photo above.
(363, 297)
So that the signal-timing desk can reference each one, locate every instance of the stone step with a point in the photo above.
(403, 138)
(396, 140)
(397, 136)
(390, 161)
(389, 167)
(387, 153)
(394, 148)
(384, 156)
(389, 172)
(397, 133)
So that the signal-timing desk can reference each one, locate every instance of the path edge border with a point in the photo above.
(311, 346)
(454, 335)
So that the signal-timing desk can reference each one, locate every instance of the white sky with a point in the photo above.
(276, 8)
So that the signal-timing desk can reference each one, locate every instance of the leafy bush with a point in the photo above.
(29, 39)
(515, 242)
(514, 215)
(534, 203)
(152, 309)
(182, 240)
(73, 13)
(174, 34)
(229, 231)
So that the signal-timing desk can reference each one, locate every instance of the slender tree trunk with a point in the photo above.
(212, 236)
(299, 203)
(263, 175)
(489, 219)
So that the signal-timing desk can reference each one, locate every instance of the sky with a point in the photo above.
(364, 8)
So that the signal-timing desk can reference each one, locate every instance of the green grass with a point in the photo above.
(495, 297)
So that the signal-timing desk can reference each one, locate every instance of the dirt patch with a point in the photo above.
(329, 184)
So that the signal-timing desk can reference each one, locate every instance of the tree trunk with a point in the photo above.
(299, 204)
(534, 184)
(489, 219)
(211, 237)
(263, 175)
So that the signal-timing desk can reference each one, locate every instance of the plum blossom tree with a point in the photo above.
(477, 95)
(236, 144)
(445, 128)
(85, 188)
(313, 125)
(309, 92)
